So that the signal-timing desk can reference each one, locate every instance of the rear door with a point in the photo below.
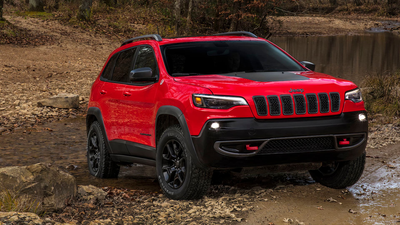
(113, 93)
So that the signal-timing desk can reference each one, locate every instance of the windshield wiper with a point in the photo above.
(184, 74)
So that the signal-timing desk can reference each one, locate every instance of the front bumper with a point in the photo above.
(248, 142)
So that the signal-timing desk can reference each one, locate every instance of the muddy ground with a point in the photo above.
(31, 134)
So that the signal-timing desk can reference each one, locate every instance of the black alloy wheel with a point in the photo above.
(179, 177)
(94, 152)
(174, 164)
(98, 154)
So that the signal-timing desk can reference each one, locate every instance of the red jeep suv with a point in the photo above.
(192, 105)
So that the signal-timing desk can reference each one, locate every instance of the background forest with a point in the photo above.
(127, 18)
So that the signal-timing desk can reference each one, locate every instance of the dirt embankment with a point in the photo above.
(29, 73)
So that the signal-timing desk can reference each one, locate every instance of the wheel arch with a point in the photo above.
(168, 115)
(94, 114)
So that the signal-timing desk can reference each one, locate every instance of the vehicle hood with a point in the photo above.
(269, 83)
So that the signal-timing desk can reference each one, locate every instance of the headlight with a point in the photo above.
(354, 95)
(217, 102)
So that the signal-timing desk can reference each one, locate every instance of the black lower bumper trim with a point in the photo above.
(249, 142)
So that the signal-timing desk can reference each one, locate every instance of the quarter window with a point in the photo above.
(109, 67)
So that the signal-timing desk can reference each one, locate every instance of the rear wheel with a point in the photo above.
(98, 155)
(179, 178)
(340, 174)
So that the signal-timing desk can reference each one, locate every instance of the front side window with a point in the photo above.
(146, 58)
(226, 57)
(123, 66)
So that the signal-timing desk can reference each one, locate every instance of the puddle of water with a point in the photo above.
(348, 57)
(63, 144)
(379, 194)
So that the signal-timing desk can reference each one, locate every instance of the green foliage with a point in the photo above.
(381, 93)
(15, 202)
(40, 15)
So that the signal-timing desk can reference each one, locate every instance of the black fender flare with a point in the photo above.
(94, 111)
(178, 114)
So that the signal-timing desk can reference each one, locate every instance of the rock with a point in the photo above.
(91, 194)
(63, 100)
(20, 218)
(2, 129)
(46, 185)
(26, 218)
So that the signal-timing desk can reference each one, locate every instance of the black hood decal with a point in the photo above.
(268, 76)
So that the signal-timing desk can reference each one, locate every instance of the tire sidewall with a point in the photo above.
(95, 128)
(170, 134)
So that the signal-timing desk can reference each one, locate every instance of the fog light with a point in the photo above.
(215, 125)
(362, 117)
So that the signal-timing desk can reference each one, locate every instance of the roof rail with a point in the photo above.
(156, 37)
(237, 33)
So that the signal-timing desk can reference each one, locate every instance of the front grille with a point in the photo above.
(261, 105)
(274, 105)
(310, 103)
(298, 145)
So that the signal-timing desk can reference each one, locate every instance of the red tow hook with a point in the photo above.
(344, 142)
(251, 148)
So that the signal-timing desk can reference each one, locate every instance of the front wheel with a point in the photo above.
(179, 178)
(340, 175)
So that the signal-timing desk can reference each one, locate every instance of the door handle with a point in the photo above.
(127, 93)
(103, 92)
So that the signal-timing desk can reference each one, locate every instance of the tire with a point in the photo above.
(98, 154)
(340, 174)
(179, 178)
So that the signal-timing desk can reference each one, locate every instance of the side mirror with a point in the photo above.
(142, 74)
(309, 65)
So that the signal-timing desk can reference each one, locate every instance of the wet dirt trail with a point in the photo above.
(63, 144)
(375, 199)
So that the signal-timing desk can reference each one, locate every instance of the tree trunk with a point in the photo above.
(85, 10)
(36, 5)
(177, 16)
(357, 2)
(1, 9)
(189, 17)
(333, 2)
(110, 3)
(217, 16)
(235, 17)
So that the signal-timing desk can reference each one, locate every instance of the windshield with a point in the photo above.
(225, 57)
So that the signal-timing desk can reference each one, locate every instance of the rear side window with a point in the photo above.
(123, 66)
(146, 58)
(109, 67)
